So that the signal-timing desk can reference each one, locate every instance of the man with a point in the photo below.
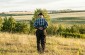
(40, 24)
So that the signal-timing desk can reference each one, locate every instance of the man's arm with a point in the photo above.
(46, 24)
(35, 24)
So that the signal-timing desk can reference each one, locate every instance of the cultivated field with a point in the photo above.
(59, 18)
(24, 17)
(74, 14)
(23, 44)
(57, 15)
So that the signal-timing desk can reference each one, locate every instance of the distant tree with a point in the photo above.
(9, 24)
(5, 24)
(12, 23)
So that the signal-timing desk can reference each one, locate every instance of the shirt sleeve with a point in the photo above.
(46, 24)
(35, 24)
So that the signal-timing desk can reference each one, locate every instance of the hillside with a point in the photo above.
(75, 14)
(23, 44)
(57, 15)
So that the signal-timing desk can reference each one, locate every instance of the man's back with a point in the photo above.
(40, 22)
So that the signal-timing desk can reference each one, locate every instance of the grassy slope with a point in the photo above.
(22, 44)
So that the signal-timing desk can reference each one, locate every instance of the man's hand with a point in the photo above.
(41, 28)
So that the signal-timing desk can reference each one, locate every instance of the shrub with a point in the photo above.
(52, 29)
(9, 24)
(74, 29)
(82, 29)
(22, 27)
(60, 29)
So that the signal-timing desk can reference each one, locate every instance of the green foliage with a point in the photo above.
(68, 29)
(74, 29)
(52, 29)
(82, 29)
(60, 29)
(22, 27)
(45, 13)
(9, 24)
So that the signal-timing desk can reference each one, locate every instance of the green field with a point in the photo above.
(69, 20)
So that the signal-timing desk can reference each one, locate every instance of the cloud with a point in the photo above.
(27, 1)
(66, 4)
(33, 1)
(47, 4)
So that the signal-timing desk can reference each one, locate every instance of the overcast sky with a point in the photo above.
(19, 5)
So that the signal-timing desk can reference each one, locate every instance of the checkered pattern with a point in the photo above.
(40, 22)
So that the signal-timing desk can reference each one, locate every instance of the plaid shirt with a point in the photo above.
(40, 22)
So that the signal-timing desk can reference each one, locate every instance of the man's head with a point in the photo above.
(40, 15)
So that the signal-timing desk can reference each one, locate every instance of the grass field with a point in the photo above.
(69, 20)
(74, 14)
(23, 44)
(57, 15)
(59, 18)
(24, 17)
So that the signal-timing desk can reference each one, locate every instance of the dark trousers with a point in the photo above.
(41, 40)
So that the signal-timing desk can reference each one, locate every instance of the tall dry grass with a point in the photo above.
(23, 44)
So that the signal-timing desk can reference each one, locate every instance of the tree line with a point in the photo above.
(10, 25)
